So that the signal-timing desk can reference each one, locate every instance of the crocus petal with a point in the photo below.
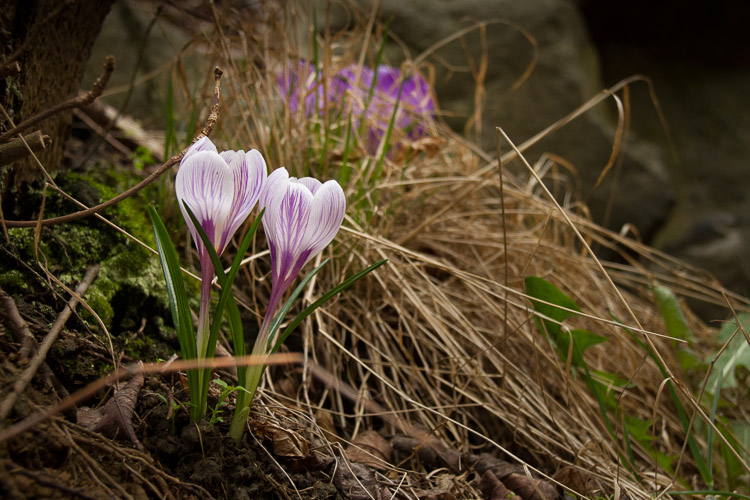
(293, 213)
(310, 183)
(248, 174)
(202, 144)
(388, 81)
(272, 193)
(303, 81)
(326, 215)
(204, 183)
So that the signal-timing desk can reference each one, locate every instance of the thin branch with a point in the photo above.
(210, 124)
(20, 148)
(17, 326)
(121, 373)
(74, 102)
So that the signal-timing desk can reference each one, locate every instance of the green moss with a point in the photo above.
(129, 285)
(100, 303)
(14, 281)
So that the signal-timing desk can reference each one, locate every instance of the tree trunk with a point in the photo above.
(55, 38)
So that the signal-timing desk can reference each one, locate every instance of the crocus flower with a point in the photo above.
(221, 189)
(301, 217)
(349, 90)
(303, 81)
(415, 97)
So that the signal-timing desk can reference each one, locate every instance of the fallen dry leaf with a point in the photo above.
(370, 448)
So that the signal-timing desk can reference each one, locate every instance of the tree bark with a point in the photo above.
(54, 38)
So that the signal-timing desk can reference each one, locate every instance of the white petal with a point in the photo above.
(248, 176)
(275, 186)
(272, 193)
(204, 183)
(202, 144)
(310, 183)
(326, 215)
(291, 214)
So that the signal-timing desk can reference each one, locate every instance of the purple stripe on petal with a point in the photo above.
(202, 144)
(203, 182)
(310, 183)
(326, 215)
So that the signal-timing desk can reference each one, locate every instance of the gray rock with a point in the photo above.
(565, 76)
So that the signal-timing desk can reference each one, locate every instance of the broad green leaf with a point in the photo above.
(551, 302)
(736, 354)
(639, 429)
(677, 326)
(582, 340)
(739, 437)
(671, 311)
(695, 451)
(541, 291)
(608, 386)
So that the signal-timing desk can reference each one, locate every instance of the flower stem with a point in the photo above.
(199, 394)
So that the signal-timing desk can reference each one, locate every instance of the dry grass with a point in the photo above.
(443, 335)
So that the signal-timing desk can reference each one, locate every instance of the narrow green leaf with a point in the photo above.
(388, 133)
(695, 451)
(178, 302)
(288, 304)
(322, 300)
(225, 280)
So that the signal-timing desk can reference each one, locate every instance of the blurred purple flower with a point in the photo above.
(415, 97)
(301, 217)
(349, 90)
(221, 189)
(302, 80)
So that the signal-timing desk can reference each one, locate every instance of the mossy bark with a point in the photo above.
(56, 38)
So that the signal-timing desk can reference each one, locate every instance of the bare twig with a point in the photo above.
(74, 102)
(17, 326)
(41, 354)
(210, 124)
(19, 148)
(119, 374)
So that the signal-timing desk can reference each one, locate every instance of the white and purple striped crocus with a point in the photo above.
(221, 189)
(302, 216)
